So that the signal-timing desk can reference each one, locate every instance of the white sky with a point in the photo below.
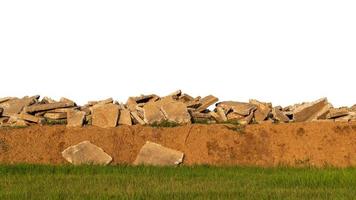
(279, 51)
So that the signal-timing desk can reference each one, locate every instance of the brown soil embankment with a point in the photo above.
(295, 144)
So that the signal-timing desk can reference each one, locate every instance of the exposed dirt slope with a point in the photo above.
(296, 144)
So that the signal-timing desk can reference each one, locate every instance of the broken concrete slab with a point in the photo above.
(15, 106)
(153, 113)
(337, 112)
(158, 155)
(4, 99)
(262, 111)
(195, 114)
(353, 108)
(215, 116)
(279, 115)
(221, 114)
(86, 153)
(145, 98)
(185, 98)
(105, 101)
(28, 117)
(206, 102)
(75, 118)
(240, 108)
(137, 118)
(193, 104)
(49, 106)
(176, 112)
(64, 110)
(47, 100)
(247, 119)
(19, 123)
(176, 94)
(55, 115)
(105, 115)
(125, 117)
(233, 116)
(350, 117)
(311, 111)
(66, 100)
(131, 104)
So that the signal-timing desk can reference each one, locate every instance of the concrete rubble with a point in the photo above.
(177, 107)
(86, 153)
(75, 118)
(105, 115)
(158, 155)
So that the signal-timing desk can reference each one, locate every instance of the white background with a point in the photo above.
(279, 51)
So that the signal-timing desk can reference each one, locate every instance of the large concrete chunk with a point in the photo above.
(240, 108)
(105, 101)
(353, 108)
(176, 112)
(105, 115)
(137, 118)
(75, 118)
(28, 117)
(221, 114)
(153, 113)
(158, 155)
(15, 106)
(279, 115)
(337, 112)
(86, 153)
(56, 115)
(206, 102)
(125, 117)
(3, 99)
(311, 111)
(262, 111)
(49, 106)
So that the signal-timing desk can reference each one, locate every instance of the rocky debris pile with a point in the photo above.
(178, 107)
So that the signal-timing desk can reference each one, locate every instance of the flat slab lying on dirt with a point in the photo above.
(158, 155)
(86, 153)
(293, 144)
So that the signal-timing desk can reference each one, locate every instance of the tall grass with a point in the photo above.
(200, 182)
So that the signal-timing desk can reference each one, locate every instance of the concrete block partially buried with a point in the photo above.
(158, 155)
(86, 153)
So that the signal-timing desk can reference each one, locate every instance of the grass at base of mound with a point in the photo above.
(199, 182)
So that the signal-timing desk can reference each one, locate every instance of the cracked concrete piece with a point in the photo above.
(86, 153)
(158, 155)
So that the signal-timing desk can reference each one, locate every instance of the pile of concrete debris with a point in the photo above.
(151, 109)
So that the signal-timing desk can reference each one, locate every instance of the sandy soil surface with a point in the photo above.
(294, 144)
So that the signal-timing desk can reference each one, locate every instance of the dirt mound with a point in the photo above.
(294, 144)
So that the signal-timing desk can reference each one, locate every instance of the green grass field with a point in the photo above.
(201, 182)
